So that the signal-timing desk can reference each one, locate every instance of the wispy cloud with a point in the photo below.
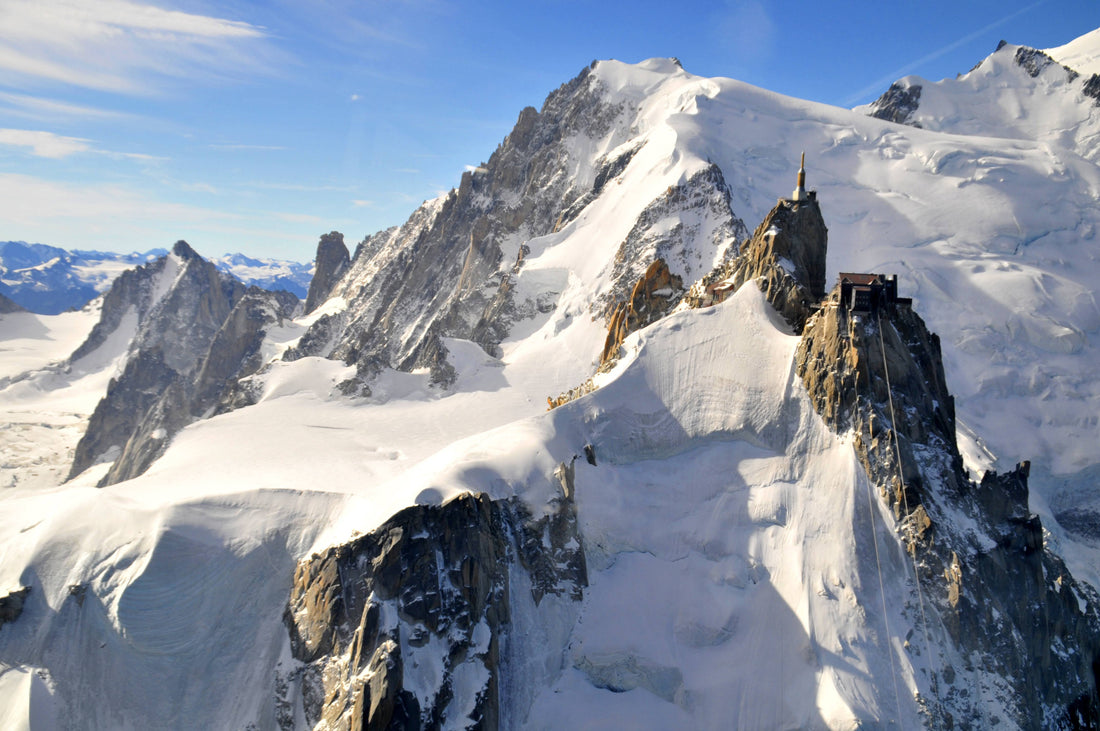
(44, 144)
(880, 84)
(47, 144)
(33, 201)
(303, 188)
(359, 203)
(747, 28)
(248, 147)
(120, 45)
(41, 108)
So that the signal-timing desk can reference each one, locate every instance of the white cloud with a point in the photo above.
(301, 188)
(120, 45)
(44, 144)
(355, 97)
(359, 203)
(35, 107)
(36, 202)
(54, 146)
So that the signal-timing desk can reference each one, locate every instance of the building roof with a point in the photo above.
(861, 279)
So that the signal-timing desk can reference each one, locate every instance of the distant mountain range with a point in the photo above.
(50, 280)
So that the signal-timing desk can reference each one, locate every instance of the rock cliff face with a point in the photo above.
(654, 296)
(445, 270)
(408, 626)
(330, 264)
(11, 605)
(1006, 604)
(898, 103)
(450, 271)
(786, 258)
(197, 331)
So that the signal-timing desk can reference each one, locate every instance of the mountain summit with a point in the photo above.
(833, 472)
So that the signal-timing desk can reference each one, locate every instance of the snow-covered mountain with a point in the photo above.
(750, 506)
(50, 280)
(267, 273)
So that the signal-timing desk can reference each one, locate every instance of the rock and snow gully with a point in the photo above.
(753, 512)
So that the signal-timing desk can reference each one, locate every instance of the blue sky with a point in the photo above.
(258, 126)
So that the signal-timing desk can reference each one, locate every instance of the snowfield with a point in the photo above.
(740, 576)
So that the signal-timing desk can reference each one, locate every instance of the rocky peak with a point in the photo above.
(135, 292)
(184, 251)
(330, 264)
(786, 257)
(447, 271)
(977, 550)
(880, 375)
(198, 331)
(1034, 62)
(898, 104)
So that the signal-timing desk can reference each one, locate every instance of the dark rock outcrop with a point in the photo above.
(653, 296)
(786, 258)
(1034, 62)
(133, 292)
(1008, 604)
(198, 332)
(844, 359)
(450, 270)
(430, 587)
(11, 605)
(330, 264)
(445, 271)
(898, 104)
(7, 305)
(698, 208)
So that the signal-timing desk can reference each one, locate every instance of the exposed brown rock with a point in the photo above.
(431, 577)
(786, 257)
(978, 551)
(654, 295)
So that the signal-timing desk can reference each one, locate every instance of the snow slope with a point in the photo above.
(1081, 54)
(720, 505)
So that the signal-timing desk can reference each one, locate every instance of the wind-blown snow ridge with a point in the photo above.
(1081, 54)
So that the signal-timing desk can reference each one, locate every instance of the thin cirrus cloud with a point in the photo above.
(41, 204)
(908, 68)
(41, 108)
(54, 146)
(121, 46)
(44, 144)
